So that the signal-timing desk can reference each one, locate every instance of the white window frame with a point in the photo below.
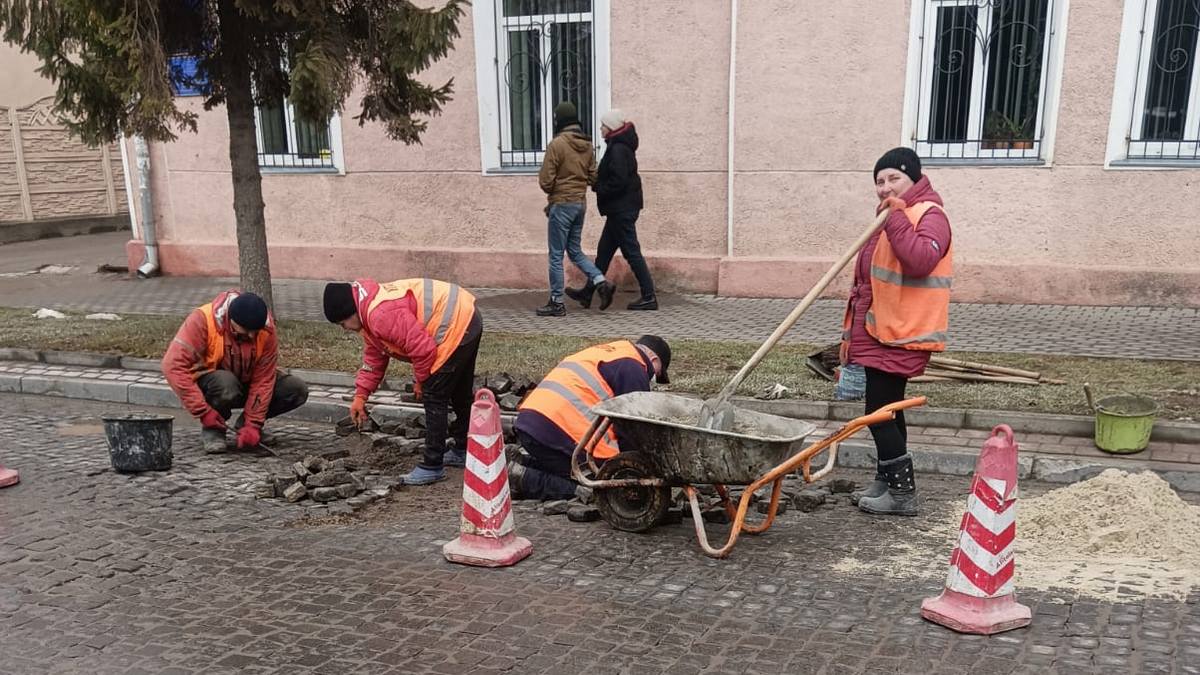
(493, 108)
(918, 95)
(279, 162)
(1129, 95)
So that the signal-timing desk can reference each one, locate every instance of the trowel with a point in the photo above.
(717, 412)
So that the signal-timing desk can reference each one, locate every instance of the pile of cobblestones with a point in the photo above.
(325, 479)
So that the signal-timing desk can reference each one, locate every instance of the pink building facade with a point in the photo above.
(1062, 134)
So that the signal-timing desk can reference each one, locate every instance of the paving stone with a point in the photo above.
(295, 492)
(347, 490)
(808, 500)
(324, 494)
(327, 479)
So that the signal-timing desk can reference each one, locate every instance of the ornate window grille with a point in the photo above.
(1165, 121)
(544, 55)
(981, 92)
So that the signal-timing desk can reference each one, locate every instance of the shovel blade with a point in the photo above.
(717, 415)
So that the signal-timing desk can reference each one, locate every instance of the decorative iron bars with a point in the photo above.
(982, 87)
(1165, 124)
(545, 55)
(288, 141)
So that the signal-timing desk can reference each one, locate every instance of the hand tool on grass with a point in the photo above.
(717, 412)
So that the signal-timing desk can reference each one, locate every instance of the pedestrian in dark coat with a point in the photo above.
(618, 190)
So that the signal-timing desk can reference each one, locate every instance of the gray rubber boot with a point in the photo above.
(875, 489)
(213, 441)
(901, 496)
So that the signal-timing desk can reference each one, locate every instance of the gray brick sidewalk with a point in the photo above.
(1123, 332)
(182, 572)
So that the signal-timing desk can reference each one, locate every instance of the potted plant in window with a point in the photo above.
(1001, 132)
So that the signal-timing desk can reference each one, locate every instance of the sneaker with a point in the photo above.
(213, 441)
(423, 476)
(644, 304)
(552, 309)
(606, 289)
(582, 295)
(454, 458)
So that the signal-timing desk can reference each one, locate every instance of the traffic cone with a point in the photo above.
(979, 595)
(9, 477)
(486, 538)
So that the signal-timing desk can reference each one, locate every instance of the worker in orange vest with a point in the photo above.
(898, 316)
(555, 416)
(226, 356)
(435, 326)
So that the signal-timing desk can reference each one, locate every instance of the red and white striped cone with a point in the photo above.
(486, 538)
(9, 477)
(979, 595)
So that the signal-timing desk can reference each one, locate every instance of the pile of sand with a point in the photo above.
(1116, 536)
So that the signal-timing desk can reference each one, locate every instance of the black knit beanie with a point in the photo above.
(904, 160)
(248, 311)
(339, 302)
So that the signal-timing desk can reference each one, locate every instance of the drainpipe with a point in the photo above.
(733, 18)
(133, 224)
(149, 267)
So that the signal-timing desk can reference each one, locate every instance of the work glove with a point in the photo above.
(248, 436)
(211, 419)
(417, 391)
(892, 204)
(358, 411)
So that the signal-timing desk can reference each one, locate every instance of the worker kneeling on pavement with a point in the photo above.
(433, 325)
(556, 415)
(225, 356)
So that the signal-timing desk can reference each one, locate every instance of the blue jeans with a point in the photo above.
(563, 234)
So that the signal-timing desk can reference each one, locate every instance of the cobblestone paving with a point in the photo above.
(1127, 332)
(182, 572)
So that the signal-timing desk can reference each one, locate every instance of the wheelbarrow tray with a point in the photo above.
(664, 428)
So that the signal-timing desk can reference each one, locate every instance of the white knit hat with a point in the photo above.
(613, 119)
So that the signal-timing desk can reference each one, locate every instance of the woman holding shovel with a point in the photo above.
(898, 315)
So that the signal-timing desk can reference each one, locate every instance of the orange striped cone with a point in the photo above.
(979, 596)
(487, 538)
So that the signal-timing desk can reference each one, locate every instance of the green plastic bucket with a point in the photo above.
(1124, 423)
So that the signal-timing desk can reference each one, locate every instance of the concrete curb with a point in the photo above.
(841, 411)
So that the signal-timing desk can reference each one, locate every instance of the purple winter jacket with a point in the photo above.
(919, 251)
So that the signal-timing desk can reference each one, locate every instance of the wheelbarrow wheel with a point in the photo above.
(632, 509)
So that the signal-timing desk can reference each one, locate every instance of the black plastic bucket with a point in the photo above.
(139, 442)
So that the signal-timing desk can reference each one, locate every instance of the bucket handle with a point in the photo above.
(1087, 391)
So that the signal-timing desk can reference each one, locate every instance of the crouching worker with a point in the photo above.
(555, 416)
(225, 356)
(433, 325)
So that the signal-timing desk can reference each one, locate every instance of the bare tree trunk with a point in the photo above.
(253, 261)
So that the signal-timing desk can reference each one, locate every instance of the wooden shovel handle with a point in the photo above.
(727, 391)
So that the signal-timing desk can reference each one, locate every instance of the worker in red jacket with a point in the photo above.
(226, 356)
(431, 324)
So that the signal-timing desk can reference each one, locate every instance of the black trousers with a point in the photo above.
(891, 438)
(548, 474)
(620, 232)
(224, 392)
(451, 387)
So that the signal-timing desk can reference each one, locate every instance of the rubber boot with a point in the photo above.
(875, 489)
(516, 476)
(454, 457)
(901, 496)
(423, 476)
(582, 295)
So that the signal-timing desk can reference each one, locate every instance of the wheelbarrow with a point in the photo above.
(633, 489)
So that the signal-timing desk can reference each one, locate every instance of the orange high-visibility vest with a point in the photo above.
(907, 312)
(214, 350)
(445, 309)
(567, 394)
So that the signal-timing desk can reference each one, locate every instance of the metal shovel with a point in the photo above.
(717, 413)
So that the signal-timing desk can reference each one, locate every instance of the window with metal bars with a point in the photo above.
(545, 54)
(1165, 121)
(288, 141)
(981, 91)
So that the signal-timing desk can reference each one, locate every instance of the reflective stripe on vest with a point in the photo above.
(568, 393)
(446, 326)
(909, 312)
(214, 350)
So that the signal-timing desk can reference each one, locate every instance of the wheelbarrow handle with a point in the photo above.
(887, 412)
